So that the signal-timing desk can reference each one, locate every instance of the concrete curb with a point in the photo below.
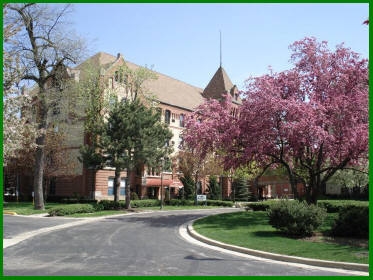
(278, 257)
(9, 213)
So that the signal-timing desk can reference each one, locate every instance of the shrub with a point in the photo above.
(145, 203)
(72, 200)
(71, 209)
(181, 202)
(220, 203)
(335, 206)
(184, 202)
(111, 205)
(352, 221)
(330, 207)
(295, 218)
(214, 188)
(134, 196)
(258, 206)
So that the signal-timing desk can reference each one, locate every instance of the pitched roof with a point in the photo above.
(101, 59)
(219, 84)
(167, 89)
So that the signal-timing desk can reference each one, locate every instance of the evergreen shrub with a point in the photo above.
(352, 221)
(111, 205)
(219, 203)
(181, 202)
(145, 203)
(71, 209)
(295, 218)
(258, 206)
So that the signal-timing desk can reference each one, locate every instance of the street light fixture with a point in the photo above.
(162, 160)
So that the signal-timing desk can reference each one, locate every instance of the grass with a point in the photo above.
(251, 230)
(27, 208)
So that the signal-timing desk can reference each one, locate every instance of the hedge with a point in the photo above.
(70, 209)
(180, 202)
(183, 202)
(222, 203)
(352, 221)
(145, 203)
(335, 206)
(111, 205)
(258, 206)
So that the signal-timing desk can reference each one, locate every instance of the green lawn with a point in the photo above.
(251, 230)
(27, 208)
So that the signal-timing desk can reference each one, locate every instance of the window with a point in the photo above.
(167, 116)
(110, 188)
(181, 119)
(122, 186)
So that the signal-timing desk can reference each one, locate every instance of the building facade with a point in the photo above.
(175, 100)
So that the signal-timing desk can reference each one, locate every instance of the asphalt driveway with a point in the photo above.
(134, 244)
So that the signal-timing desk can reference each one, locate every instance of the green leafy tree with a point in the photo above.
(132, 135)
(240, 184)
(214, 188)
(240, 189)
(189, 186)
(350, 178)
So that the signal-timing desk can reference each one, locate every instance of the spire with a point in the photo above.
(220, 50)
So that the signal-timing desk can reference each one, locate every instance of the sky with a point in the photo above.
(183, 40)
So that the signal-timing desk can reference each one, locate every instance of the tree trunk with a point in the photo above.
(128, 190)
(38, 174)
(314, 194)
(116, 186)
(195, 189)
(292, 180)
(293, 184)
(313, 188)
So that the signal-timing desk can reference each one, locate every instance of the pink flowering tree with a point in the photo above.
(312, 119)
(207, 128)
(206, 131)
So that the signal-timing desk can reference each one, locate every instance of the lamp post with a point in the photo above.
(162, 183)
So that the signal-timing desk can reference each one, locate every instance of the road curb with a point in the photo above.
(278, 257)
(9, 213)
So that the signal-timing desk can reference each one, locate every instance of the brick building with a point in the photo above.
(176, 99)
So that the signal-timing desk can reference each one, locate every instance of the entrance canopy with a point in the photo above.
(152, 182)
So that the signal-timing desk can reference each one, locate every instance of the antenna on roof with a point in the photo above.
(220, 49)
